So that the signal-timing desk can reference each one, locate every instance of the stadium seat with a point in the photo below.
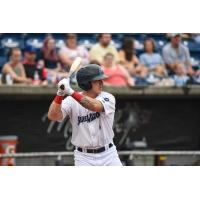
(35, 39)
(138, 52)
(87, 43)
(156, 36)
(138, 45)
(35, 42)
(59, 36)
(193, 46)
(159, 45)
(60, 43)
(195, 55)
(10, 40)
(86, 39)
(89, 36)
(136, 36)
(40, 36)
(10, 43)
(3, 58)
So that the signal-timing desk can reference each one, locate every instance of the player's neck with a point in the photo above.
(90, 94)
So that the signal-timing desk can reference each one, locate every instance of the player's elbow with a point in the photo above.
(52, 117)
(97, 108)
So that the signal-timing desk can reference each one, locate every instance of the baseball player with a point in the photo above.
(91, 114)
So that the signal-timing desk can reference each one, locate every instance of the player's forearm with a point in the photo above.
(55, 113)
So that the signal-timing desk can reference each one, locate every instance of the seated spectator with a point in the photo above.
(151, 60)
(129, 60)
(71, 50)
(117, 75)
(50, 60)
(49, 54)
(15, 69)
(175, 53)
(180, 76)
(33, 69)
(100, 49)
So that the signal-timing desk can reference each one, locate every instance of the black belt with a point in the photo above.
(99, 150)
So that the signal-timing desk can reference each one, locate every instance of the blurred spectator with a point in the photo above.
(185, 36)
(94, 62)
(33, 69)
(71, 50)
(175, 54)
(14, 68)
(129, 60)
(49, 54)
(50, 59)
(180, 76)
(99, 50)
(153, 61)
(117, 75)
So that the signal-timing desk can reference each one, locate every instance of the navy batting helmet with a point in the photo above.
(91, 72)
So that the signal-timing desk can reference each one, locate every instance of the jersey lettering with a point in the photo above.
(88, 118)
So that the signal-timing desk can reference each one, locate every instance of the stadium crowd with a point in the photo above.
(170, 66)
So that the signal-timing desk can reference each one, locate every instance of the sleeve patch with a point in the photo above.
(106, 99)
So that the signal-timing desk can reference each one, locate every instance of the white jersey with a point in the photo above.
(90, 129)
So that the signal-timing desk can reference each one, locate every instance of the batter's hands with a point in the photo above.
(66, 88)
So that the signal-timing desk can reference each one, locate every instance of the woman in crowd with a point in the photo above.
(129, 60)
(151, 60)
(117, 75)
(49, 57)
(13, 71)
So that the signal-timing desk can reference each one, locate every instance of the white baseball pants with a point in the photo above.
(107, 158)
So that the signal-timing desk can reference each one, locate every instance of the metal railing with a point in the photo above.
(128, 153)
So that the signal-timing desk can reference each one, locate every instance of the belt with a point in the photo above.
(99, 150)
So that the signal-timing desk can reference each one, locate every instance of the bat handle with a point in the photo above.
(62, 87)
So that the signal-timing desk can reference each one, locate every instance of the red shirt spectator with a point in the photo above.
(117, 75)
(32, 68)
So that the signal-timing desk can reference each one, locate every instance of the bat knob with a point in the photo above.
(62, 87)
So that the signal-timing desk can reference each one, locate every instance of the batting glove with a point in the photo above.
(64, 87)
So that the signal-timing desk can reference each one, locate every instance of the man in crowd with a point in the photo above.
(99, 50)
(71, 50)
(33, 69)
(176, 55)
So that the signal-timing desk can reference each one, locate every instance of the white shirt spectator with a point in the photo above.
(80, 51)
(172, 55)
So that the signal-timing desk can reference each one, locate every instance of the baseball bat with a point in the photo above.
(74, 67)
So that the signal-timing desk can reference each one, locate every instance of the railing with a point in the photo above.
(133, 153)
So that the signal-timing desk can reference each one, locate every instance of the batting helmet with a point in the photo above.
(91, 72)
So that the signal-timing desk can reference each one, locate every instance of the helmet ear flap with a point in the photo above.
(89, 85)
(85, 86)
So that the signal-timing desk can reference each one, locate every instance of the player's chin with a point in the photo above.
(99, 90)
